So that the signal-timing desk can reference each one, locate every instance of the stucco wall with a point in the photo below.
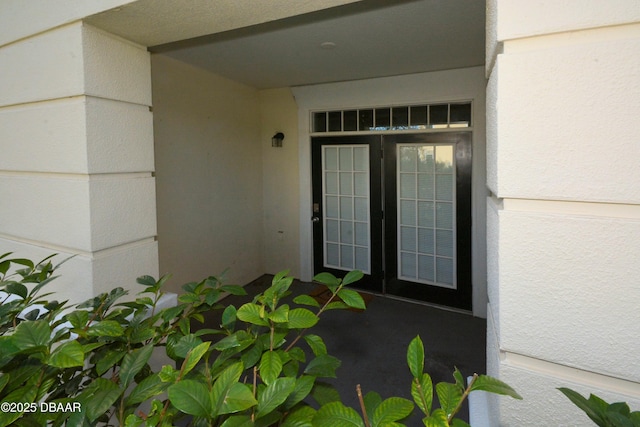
(450, 85)
(281, 200)
(564, 217)
(70, 181)
(209, 174)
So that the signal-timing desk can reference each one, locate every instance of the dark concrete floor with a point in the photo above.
(372, 344)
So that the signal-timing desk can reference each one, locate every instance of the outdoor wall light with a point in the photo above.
(276, 140)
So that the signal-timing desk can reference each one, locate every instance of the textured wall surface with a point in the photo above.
(209, 174)
(76, 171)
(564, 216)
(280, 171)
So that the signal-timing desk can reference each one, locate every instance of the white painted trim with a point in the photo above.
(590, 209)
(569, 374)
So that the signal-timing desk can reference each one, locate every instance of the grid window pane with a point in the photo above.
(332, 210)
(350, 120)
(346, 184)
(439, 114)
(383, 118)
(400, 117)
(332, 230)
(346, 232)
(366, 120)
(320, 122)
(426, 213)
(331, 182)
(335, 121)
(408, 265)
(341, 231)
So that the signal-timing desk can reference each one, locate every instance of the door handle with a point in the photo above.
(315, 219)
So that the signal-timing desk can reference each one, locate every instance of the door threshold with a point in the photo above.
(418, 302)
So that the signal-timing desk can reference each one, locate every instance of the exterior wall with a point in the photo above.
(450, 85)
(280, 171)
(71, 181)
(564, 214)
(209, 174)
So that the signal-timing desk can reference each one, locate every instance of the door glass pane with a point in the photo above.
(346, 219)
(426, 214)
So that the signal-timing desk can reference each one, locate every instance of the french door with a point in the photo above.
(398, 208)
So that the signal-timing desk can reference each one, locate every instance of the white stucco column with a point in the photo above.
(564, 213)
(76, 170)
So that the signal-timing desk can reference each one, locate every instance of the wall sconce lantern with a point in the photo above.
(276, 140)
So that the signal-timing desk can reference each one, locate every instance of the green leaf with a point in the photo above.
(274, 395)
(336, 414)
(106, 328)
(299, 417)
(301, 318)
(146, 281)
(4, 379)
(280, 315)
(24, 394)
(223, 384)
(99, 397)
(30, 334)
(437, 419)
(78, 318)
(415, 357)
(67, 355)
(618, 419)
(234, 290)
(328, 279)
(229, 316)
(238, 421)
(324, 393)
(352, 298)
(316, 344)
(168, 375)
(449, 396)
(185, 344)
(457, 375)
(391, 410)
(494, 385)
(239, 397)
(108, 359)
(323, 366)
(146, 389)
(191, 397)
(306, 300)
(270, 366)
(133, 362)
(352, 276)
(457, 422)
(422, 392)
(302, 388)
(251, 313)
(594, 411)
(17, 288)
(193, 357)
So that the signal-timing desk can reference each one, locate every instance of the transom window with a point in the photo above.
(407, 117)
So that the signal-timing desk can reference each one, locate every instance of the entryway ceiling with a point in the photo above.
(357, 40)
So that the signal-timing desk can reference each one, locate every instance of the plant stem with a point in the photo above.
(363, 409)
(464, 396)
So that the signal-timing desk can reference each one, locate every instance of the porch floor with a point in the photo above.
(372, 344)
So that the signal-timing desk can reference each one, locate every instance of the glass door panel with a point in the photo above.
(426, 214)
(346, 216)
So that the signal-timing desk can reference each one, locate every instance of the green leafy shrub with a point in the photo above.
(602, 413)
(376, 412)
(90, 364)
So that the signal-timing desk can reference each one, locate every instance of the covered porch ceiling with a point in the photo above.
(262, 45)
